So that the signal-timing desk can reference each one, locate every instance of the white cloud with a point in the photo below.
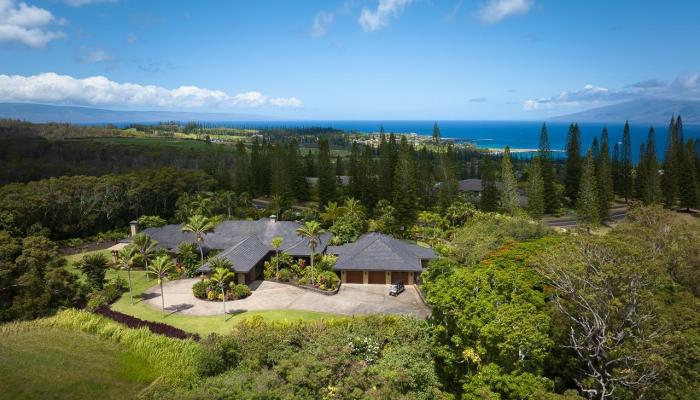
(450, 16)
(80, 3)
(27, 24)
(286, 102)
(52, 88)
(322, 23)
(374, 20)
(684, 87)
(251, 99)
(496, 10)
(96, 56)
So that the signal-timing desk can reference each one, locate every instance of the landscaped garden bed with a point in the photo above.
(155, 327)
(299, 273)
(208, 290)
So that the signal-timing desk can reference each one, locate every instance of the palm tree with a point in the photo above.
(331, 212)
(145, 246)
(202, 205)
(160, 268)
(276, 243)
(353, 207)
(126, 259)
(276, 205)
(244, 199)
(221, 276)
(312, 231)
(94, 267)
(200, 226)
(228, 199)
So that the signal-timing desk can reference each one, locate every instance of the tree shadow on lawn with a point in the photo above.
(176, 308)
(233, 313)
(148, 296)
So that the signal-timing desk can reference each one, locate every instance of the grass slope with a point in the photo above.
(54, 363)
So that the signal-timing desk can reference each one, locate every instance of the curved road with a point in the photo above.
(617, 214)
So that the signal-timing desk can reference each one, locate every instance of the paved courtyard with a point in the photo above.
(351, 299)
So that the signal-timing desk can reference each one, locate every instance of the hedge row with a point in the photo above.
(155, 327)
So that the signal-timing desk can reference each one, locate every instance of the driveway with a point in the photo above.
(351, 299)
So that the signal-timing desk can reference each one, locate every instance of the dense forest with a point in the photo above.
(519, 310)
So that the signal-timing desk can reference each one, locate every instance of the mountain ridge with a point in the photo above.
(41, 113)
(639, 111)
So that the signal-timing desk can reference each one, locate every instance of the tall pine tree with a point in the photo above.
(652, 193)
(688, 181)
(573, 164)
(326, 176)
(241, 176)
(551, 199)
(436, 134)
(489, 191)
(405, 196)
(604, 178)
(673, 160)
(617, 186)
(587, 207)
(535, 189)
(626, 164)
(510, 199)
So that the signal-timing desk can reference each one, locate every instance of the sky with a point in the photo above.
(350, 59)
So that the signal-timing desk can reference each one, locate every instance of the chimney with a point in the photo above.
(134, 228)
(273, 218)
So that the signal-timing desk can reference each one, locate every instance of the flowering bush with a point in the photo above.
(206, 291)
(326, 262)
(366, 348)
(201, 288)
(240, 291)
(328, 280)
(284, 275)
(299, 268)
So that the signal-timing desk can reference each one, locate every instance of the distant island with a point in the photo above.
(39, 113)
(638, 111)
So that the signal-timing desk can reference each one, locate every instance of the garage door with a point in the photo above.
(353, 276)
(377, 277)
(399, 276)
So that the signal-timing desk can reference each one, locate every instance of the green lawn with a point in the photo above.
(195, 324)
(76, 257)
(53, 363)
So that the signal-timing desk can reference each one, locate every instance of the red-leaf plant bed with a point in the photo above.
(155, 327)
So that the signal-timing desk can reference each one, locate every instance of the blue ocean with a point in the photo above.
(494, 134)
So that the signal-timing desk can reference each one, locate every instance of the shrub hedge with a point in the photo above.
(155, 327)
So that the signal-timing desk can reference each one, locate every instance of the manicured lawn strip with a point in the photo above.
(48, 362)
(70, 259)
(204, 325)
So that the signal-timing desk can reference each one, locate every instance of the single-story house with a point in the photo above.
(247, 244)
(376, 258)
(343, 180)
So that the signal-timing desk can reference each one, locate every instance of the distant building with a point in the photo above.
(475, 187)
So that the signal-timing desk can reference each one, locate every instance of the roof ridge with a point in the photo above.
(235, 246)
(392, 242)
(357, 249)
